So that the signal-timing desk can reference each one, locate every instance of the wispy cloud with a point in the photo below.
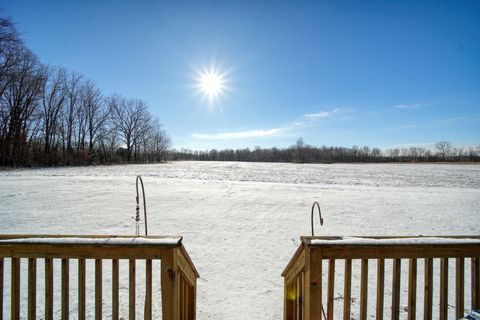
(458, 119)
(413, 144)
(319, 115)
(436, 122)
(411, 126)
(304, 120)
(239, 134)
(410, 106)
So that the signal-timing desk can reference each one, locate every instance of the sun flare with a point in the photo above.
(211, 84)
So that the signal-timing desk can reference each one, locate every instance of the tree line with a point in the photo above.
(304, 153)
(53, 116)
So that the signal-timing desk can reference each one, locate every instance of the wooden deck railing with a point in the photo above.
(304, 285)
(177, 276)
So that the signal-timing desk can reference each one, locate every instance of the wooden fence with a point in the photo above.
(178, 275)
(304, 283)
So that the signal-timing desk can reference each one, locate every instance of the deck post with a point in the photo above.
(168, 270)
(313, 284)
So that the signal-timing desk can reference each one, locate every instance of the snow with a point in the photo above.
(96, 241)
(241, 222)
(357, 241)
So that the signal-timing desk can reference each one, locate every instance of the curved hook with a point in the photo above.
(137, 217)
(319, 214)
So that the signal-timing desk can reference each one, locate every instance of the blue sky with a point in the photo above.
(377, 73)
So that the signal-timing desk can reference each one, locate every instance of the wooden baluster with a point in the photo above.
(443, 288)
(179, 297)
(285, 299)
(380, 288)
(303, 295)
(15, 289)
(131, 289)
(48, 289)
(397, 265)
(287, 303)
(32, 288)
(297, 298)
(2, 268)
(363, 289)
(331, 288)
(65, 289)
(98, 289)
(428, 293)
(115, 288)
(476, 283)
(148, 289)
(294, 305)
(347, 289)
(460, 287)
(412, 289)
(181, 300)
(81, 289)
(185, 299)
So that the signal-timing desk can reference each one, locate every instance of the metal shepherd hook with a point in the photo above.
(313, 234)
(137, 215)
(319, 214)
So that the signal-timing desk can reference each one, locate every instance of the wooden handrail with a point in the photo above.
(178, 274)
(307, 263)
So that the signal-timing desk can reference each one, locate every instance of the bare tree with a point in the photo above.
(300, 146)
(128, 116)
(159, 141)
(72, 86)
(444, 148)
(10, 52)
(108, 142)
(20, 98)
(43, 109)
(53, 98)
(96, 112)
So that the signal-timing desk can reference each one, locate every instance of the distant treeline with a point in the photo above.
(303, 153)
(52, 116)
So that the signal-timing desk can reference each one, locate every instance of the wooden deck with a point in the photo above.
(304, 285)
(178, 274)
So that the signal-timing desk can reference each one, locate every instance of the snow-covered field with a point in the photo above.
(241, 222)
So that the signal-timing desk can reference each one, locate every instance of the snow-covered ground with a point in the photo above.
(241, 222)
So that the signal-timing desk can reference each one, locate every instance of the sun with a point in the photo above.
(211, 84)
